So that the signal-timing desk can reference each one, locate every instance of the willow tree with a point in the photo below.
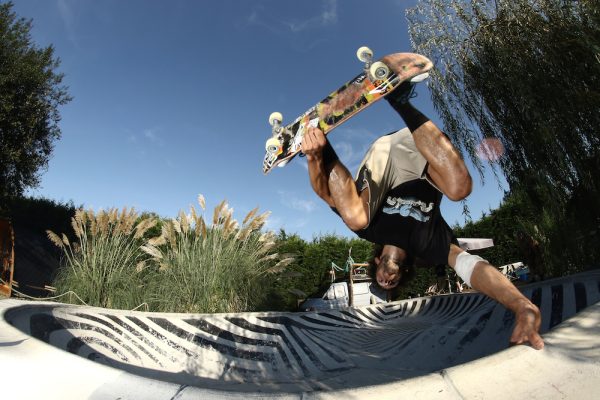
(525, 74)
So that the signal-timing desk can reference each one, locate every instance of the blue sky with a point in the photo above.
(172, 98)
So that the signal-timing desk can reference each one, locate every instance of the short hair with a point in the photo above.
(407, 267)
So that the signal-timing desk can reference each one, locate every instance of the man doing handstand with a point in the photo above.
(394, 201)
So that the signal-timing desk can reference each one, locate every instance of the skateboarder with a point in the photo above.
(394, 201)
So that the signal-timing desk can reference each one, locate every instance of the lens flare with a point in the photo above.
(490, 149)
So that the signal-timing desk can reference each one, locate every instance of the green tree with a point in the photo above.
(309, 273)
(525, 73)
(288, 287)
(30, 94)
(505, 225)
(324, 250)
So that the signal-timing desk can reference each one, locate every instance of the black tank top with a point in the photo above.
(410, 218)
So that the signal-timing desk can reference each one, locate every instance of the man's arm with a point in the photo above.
(332, 181)
(489, 281)
(312, 147)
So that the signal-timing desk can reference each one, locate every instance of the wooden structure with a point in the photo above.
(353, 273)
(7, 257)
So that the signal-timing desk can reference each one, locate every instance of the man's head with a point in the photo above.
(391, 269)
(387, 273)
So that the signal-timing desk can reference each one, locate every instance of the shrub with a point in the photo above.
(102, 268)
(216, 268)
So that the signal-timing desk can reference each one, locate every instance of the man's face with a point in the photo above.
(388, 274)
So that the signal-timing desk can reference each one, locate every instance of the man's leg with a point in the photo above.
(446, 167)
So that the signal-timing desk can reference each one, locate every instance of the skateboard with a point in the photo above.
(377, 80)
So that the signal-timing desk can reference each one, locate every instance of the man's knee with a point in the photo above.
(461, 187)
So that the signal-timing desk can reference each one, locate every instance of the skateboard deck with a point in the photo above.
(356, 95)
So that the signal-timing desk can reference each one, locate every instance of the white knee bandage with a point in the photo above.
(465, 264)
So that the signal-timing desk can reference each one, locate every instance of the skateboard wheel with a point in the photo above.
(273, 146)
(364, 54)
(276, 116)
(379, 70)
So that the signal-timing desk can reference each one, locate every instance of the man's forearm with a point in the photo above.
(488, 280)
(528, 319)
(319, 179)
(332, 181)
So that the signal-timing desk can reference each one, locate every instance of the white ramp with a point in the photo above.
(475, 243)
(452, 346)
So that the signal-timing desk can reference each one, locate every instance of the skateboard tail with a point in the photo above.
(408, 65)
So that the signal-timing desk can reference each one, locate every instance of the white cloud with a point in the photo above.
(345, 151)
(66, 13)
(328, 16)
(273, 223)
(351, 146)
(151, 135)
(300, 223)
(290, 200)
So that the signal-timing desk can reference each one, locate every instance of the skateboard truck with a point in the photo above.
(374, 70)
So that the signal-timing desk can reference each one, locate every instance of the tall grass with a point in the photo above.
(102, 267)
(192, 266)
(222, 267)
